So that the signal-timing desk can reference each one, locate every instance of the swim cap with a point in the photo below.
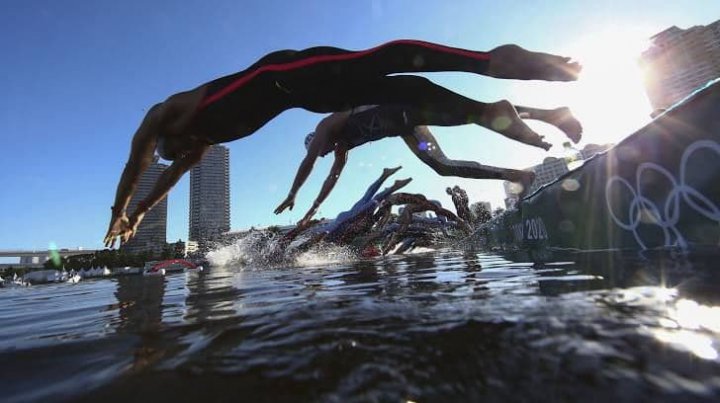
(308, 139)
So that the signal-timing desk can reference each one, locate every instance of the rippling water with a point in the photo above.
(437, 326)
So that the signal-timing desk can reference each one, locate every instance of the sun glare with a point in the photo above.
(609, 98)
(686, 327)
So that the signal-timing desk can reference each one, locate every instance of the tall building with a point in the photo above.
(551, 169)
(151, 233)
(679, 61)
(210, 197)
(548, 171)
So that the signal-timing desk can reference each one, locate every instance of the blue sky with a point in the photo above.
(78, 76)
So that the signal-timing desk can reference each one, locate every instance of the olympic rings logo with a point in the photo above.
(666, 217)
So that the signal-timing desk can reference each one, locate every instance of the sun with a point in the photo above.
(609, 98)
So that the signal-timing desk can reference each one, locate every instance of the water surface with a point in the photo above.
(437, 326)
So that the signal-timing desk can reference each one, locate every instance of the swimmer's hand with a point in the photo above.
(135, 221)
(306, 221)
(309, 215)
(288, 203)
(119, 227)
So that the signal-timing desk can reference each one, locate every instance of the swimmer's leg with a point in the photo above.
(423, 144)
(413, 56)
(512, 61)
(498, 116)
(366, 201)
(358, 209)
(431, 104)
(373, 188)
(561, 118)
(399, 184)
(400, 56)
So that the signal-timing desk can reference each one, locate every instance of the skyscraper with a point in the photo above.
(679, 61)
(210, 196)
(551, 169)
(548, 171)
(152, 231)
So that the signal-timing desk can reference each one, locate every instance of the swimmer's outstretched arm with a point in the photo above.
(341, 153)
(141, 156)
(325, 134)
(165, 182)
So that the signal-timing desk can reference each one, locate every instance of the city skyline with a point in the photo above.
(679, 61)
(209, 195)
(151, 235)
(67, 129)
(550, 169)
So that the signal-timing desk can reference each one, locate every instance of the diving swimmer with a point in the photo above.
(319, 79)
(342, 131)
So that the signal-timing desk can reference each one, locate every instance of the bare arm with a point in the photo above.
(141, 155)
(169, 178)
(327, 187)
(165, 182)
(325, 134)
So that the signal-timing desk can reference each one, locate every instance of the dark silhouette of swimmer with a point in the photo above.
(342, 131)
(323, 80)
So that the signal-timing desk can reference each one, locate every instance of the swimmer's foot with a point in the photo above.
(503, 118)
(514, 62)
(387, 172)
(564, 120)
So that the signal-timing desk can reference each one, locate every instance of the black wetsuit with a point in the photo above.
(327, 79)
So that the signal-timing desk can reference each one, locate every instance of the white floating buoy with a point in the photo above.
(75, 278)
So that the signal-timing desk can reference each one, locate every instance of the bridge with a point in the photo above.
(36, 258)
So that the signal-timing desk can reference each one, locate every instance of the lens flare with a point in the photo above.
(515, 188)
(501, 123)
(570, 185)
(54, 255)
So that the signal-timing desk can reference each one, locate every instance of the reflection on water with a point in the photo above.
(445, 325)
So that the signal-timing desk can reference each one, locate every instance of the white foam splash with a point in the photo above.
(262, 250)
(324, 254)
(419, 250)
(244, 251)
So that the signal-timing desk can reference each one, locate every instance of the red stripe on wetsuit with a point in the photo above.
(331, 58)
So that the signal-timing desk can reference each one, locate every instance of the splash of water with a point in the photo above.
(264, 250)
(324, 253)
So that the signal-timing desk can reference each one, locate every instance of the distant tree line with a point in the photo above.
(112, 258)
